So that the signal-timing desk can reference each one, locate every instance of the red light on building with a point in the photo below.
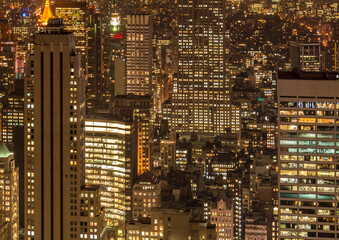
(118, 36)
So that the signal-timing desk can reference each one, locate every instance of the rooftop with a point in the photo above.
(4, 152)
(309, 75)
(148, 177)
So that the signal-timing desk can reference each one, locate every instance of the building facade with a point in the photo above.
(307, 118)
(75, 16)
(146, 194)
(222, 216)
(169, 224)
(139, 54)
(306, 56)
(8, 65)
(9, 194)
(201, 90)
(54, 134)
(108, 164)
(12, 115)
(139, 110)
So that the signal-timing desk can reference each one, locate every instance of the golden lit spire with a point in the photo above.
(47, 13)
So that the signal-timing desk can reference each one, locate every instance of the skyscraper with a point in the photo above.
(139, 110)
(108, 164)
(54, 146)
(308, 143)
(12, 115)
(139, 54)
(95, 68)
(201, 89)
(9, 194)
(8, 65)
(75, 17)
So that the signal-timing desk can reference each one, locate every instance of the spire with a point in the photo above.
(47, 13)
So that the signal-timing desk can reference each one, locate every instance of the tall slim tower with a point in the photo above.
(308, 105)
(54, 146)
(139, 54)
(201, 90)
(95, 69)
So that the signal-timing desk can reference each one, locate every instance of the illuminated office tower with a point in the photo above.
(308, 107)
(114, 55)
(75, 15)
(201, 89)
(118, 63)
(108, 164)
(306, 56)
(8, 65)
(139, 54)
(12, 115)
(9, 194)
(54, 146)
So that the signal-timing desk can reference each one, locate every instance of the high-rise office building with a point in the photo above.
(201, 89)
(86, 23)
(8, 65)
(114, 56)
(139, 110)
(95, 70)
(108, 164)
(9, 195)
(12, 115)
(308, 106)
(306, 56)
(75, 17)
(139, 54)
(54, 141)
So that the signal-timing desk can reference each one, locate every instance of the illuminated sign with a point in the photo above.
(118, 36)
(115, 21)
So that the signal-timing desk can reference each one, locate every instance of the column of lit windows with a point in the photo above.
(307, 167)
(30, 152)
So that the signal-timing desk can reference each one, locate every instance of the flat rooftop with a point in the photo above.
(309, 75)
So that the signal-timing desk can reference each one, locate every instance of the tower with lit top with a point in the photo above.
(46, 14)
(56, 199)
